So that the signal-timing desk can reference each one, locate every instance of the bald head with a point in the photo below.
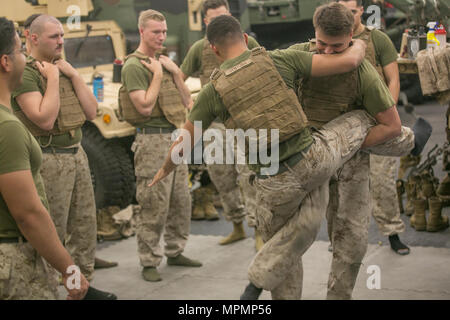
(46, 38)
(38, 25)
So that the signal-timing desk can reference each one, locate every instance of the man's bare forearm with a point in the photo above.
(379, 134)
(39, 230)
(151, 95)
(86, 97)
(50, 104)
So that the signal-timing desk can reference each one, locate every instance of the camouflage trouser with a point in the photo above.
(70, 194)
(246, 178)
(348, 217)
(225, 178)
(164, 207)
(24, 274)
(385, 211)
(349, 211)
(287, 231)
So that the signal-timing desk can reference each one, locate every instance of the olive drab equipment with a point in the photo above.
(326, 98)
(209, 62)
(256, 97)
(169, 103)
(70, 116)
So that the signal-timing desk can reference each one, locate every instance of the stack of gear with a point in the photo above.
(434, 72)
(406, 163)
(203, 197)
(115, 224)
(444, 188)
(421, 188)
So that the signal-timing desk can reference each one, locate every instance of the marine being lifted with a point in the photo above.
(254, 89)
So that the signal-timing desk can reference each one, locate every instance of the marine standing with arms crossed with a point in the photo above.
(154, 99)
(382, 54)
(27, 233)
(54, 102)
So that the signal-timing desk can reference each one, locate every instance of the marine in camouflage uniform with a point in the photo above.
(382, 54)
(24, 274)
(27, 233)
(201, 59)
(167, 207)
(65, 168)
(324, 99)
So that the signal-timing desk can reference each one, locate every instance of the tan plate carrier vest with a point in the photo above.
(169, 103)
(370, 50)
(70, 116)
(326, 98)
(256, 97)
(209, 63)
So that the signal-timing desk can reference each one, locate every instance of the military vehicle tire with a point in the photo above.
(111, 169)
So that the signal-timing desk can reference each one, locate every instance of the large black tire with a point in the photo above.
(111, 169)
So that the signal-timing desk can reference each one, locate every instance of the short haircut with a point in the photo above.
(224, 30)
(149, 14)
(30, 19)
(38, 24)
(334, 19)
(358, 2)
(214, 4)
(7, 36)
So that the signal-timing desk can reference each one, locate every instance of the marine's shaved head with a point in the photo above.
(38, 25)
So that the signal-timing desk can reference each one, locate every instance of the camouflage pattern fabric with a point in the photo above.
(348, 217)
(246, 179)
(225, 178)
(287, 232)
(166, 207)
(25, 275)
(385, 211)
(70, 194)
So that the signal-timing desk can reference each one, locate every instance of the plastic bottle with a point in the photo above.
(431, 36)
(98, 87)
(441, 35)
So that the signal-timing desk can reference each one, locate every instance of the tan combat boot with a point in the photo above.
(436, 222)
(107, 229)
(427, 186)
(197, 207)
(237, 234)
(410, 195)
(208, 204)
(418, 220)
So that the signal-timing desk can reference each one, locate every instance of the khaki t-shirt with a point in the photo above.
(18, 151)
(290, 63)
(192, 63)
(373, 94)
(31, 82)
(135, 76)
